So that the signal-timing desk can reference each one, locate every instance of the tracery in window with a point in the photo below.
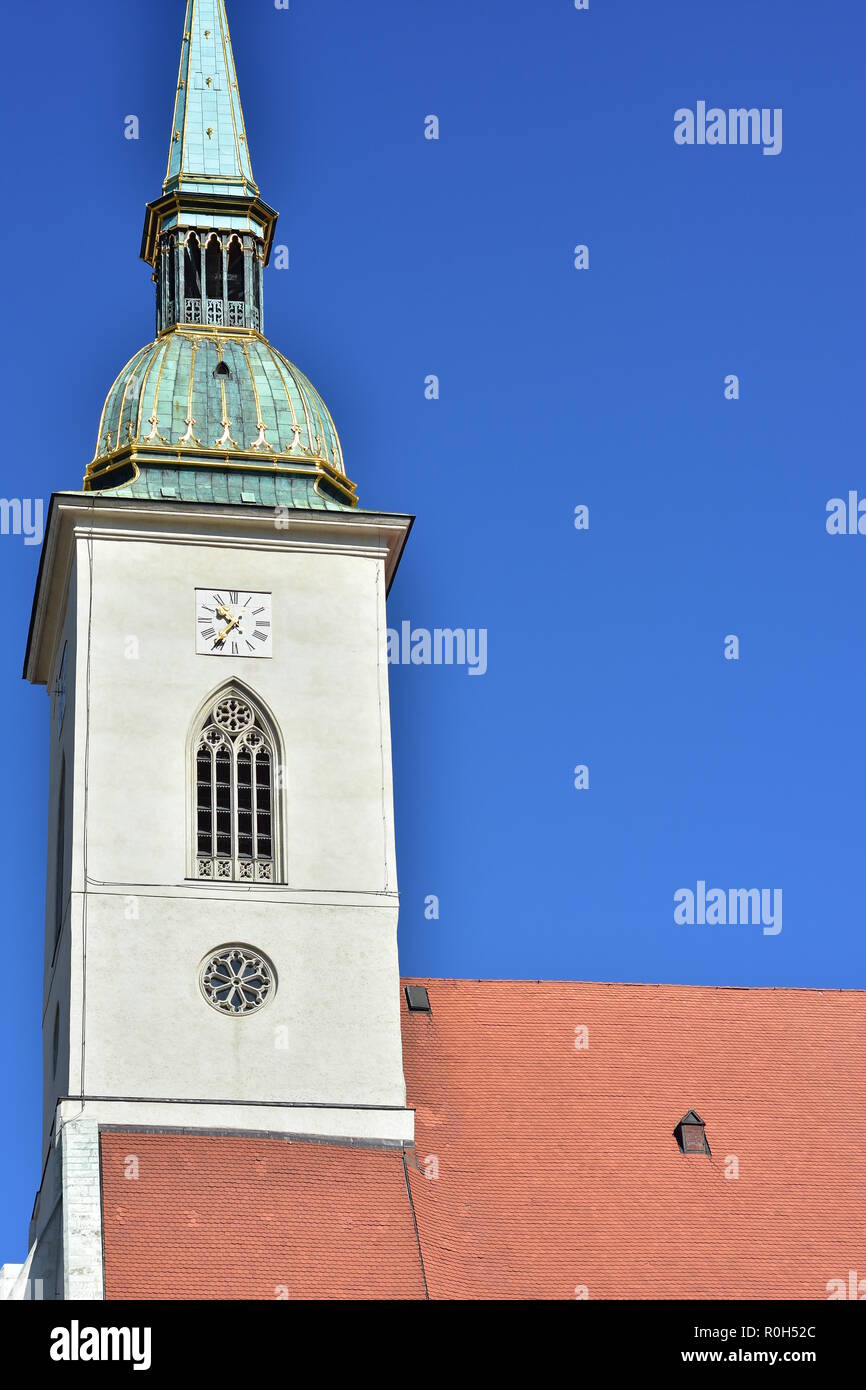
(237, 980)
(235, 760)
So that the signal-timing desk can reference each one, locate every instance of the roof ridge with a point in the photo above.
(630, 984)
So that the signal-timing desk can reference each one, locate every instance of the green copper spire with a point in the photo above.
(208, 151)
(209, 185)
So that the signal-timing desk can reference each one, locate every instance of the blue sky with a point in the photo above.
(558, 387)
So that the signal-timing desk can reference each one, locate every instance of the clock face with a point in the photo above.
(233, 622)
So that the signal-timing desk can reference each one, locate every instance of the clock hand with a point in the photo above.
(224, 612)
(235, 622)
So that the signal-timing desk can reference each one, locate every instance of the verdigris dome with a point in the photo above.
(212, 399)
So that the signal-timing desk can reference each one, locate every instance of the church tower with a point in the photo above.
(209, 622)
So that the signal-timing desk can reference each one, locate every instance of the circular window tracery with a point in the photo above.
(237, 980)
(233, 715)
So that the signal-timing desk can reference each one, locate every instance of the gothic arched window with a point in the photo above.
(236, 270)
(235, 283)
(236, 793)
(214, 279)
(172, 279)
(192, 280)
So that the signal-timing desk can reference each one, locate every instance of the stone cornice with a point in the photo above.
(75, 514)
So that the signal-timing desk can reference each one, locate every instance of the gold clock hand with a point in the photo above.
(224, 612)
(227, 629)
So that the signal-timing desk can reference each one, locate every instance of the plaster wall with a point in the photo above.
(140, 924)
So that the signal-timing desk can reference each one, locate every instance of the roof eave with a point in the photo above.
(211, 204)
(392, 529)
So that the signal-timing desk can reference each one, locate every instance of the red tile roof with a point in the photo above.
(558, 1167)
(552, 1169)
(216, 1217)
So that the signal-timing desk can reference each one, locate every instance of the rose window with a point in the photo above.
(237, 980)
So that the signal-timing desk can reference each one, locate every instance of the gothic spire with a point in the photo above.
(209, 234)
(208, 152)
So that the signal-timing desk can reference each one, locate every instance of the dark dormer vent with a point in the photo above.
(221, 370)
(418, 1000)
(690, 1134)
